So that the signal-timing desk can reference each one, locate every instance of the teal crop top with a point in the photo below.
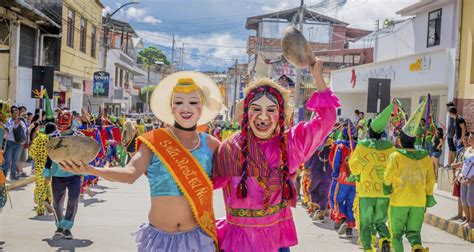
(161, 181)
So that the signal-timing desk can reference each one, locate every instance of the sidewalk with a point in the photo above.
(439, 215)
(12, 184)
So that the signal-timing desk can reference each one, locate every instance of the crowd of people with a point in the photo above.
(376, 175)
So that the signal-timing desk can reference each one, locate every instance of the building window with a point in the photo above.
(116, 76)
(27, 50)
(93, 40)
(70, 28)
(121, 78)
(434, 28)
(82, 45)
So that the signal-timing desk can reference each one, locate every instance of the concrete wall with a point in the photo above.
(395, 41)
(448, 28)
(351, 102)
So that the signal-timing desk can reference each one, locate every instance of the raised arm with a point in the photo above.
(306, 137)
(128, 174)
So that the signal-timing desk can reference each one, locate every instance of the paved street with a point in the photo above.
(105, 223)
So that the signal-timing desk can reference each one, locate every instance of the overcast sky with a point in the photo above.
(213, 31)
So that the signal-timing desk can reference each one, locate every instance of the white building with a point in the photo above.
(417, 56)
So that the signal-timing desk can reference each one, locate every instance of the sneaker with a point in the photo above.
(342, 229)
(23, 175)
(58, 231)
(337, 225)
(349, 232)
(67, 234)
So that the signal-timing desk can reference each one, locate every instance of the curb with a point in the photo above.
(451, 227)
(20, 183)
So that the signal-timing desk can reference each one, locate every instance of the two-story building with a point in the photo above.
(77, 47)
(329, 39)
(415, 57)
(121, 64)
(23, 30)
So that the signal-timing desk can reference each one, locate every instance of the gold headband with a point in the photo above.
(187, 85)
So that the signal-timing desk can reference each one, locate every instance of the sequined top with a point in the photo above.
(161, 181)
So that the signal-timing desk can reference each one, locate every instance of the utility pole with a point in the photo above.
(299, 72)
(172, 56)
(236, 73)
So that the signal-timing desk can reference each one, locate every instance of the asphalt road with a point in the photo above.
(106, 222)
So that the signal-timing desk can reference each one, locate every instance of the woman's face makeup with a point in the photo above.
(186, 108)
(263, 117)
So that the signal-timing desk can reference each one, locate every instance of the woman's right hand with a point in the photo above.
(73, 167)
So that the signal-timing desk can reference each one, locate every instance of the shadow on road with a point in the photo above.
(91, 201)
(329, 225)
(43, 218)
(67, 245)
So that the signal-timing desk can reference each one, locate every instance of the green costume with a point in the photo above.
(368, 162)
(409, 179)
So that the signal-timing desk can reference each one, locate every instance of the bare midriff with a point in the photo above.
(171, 214)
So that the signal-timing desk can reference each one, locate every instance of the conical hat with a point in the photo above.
(413, 123)
(160, 101)
(379, 123)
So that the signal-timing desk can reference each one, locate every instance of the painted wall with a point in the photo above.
(73, 61)
(448, 28)
(24, 89)
(351, 102)
(394, 41)
(435, 70)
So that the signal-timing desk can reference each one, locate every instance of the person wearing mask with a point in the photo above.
(15, 139)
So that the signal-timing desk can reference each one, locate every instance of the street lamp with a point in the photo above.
(108, 16)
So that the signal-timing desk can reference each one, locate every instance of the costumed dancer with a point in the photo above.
(62, 180)
(305, 183)
(39, 154)
(409, 179)
(178, 164)
(255, 166)
(320, 171)
(344, 192)
(368, 162)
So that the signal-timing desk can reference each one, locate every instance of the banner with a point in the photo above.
(101, 83)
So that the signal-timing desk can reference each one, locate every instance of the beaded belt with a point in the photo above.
(242, 212)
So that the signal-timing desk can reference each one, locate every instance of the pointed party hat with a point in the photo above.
(413, 123)
(379, 123)
(48, 108)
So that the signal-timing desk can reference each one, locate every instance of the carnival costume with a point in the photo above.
(321, 170)
(255, 173)
(368, 162)
(62, 180)
(177, 171)
(409, 179)
(344, 188)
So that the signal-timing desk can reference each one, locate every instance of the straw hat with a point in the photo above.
(160, 101)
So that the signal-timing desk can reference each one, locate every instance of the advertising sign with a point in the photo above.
(101, 83)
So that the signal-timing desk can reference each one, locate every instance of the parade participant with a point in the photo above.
(178, 162)
(39, 155)
(368, 162)
(320, 171)
(62, 180)
(255, 166)
(345, 190)
(337, 135)
(409, 179)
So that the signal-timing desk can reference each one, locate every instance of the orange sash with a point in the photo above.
(187, 173)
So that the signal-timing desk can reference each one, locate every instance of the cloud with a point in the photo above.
(106, 10)
(215, 50)
(140, 15)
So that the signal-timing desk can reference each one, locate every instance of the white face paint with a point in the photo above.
(263, 117)
(186, 108)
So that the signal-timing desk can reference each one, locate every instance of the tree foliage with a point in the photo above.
(151, 55)
(150, 89)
